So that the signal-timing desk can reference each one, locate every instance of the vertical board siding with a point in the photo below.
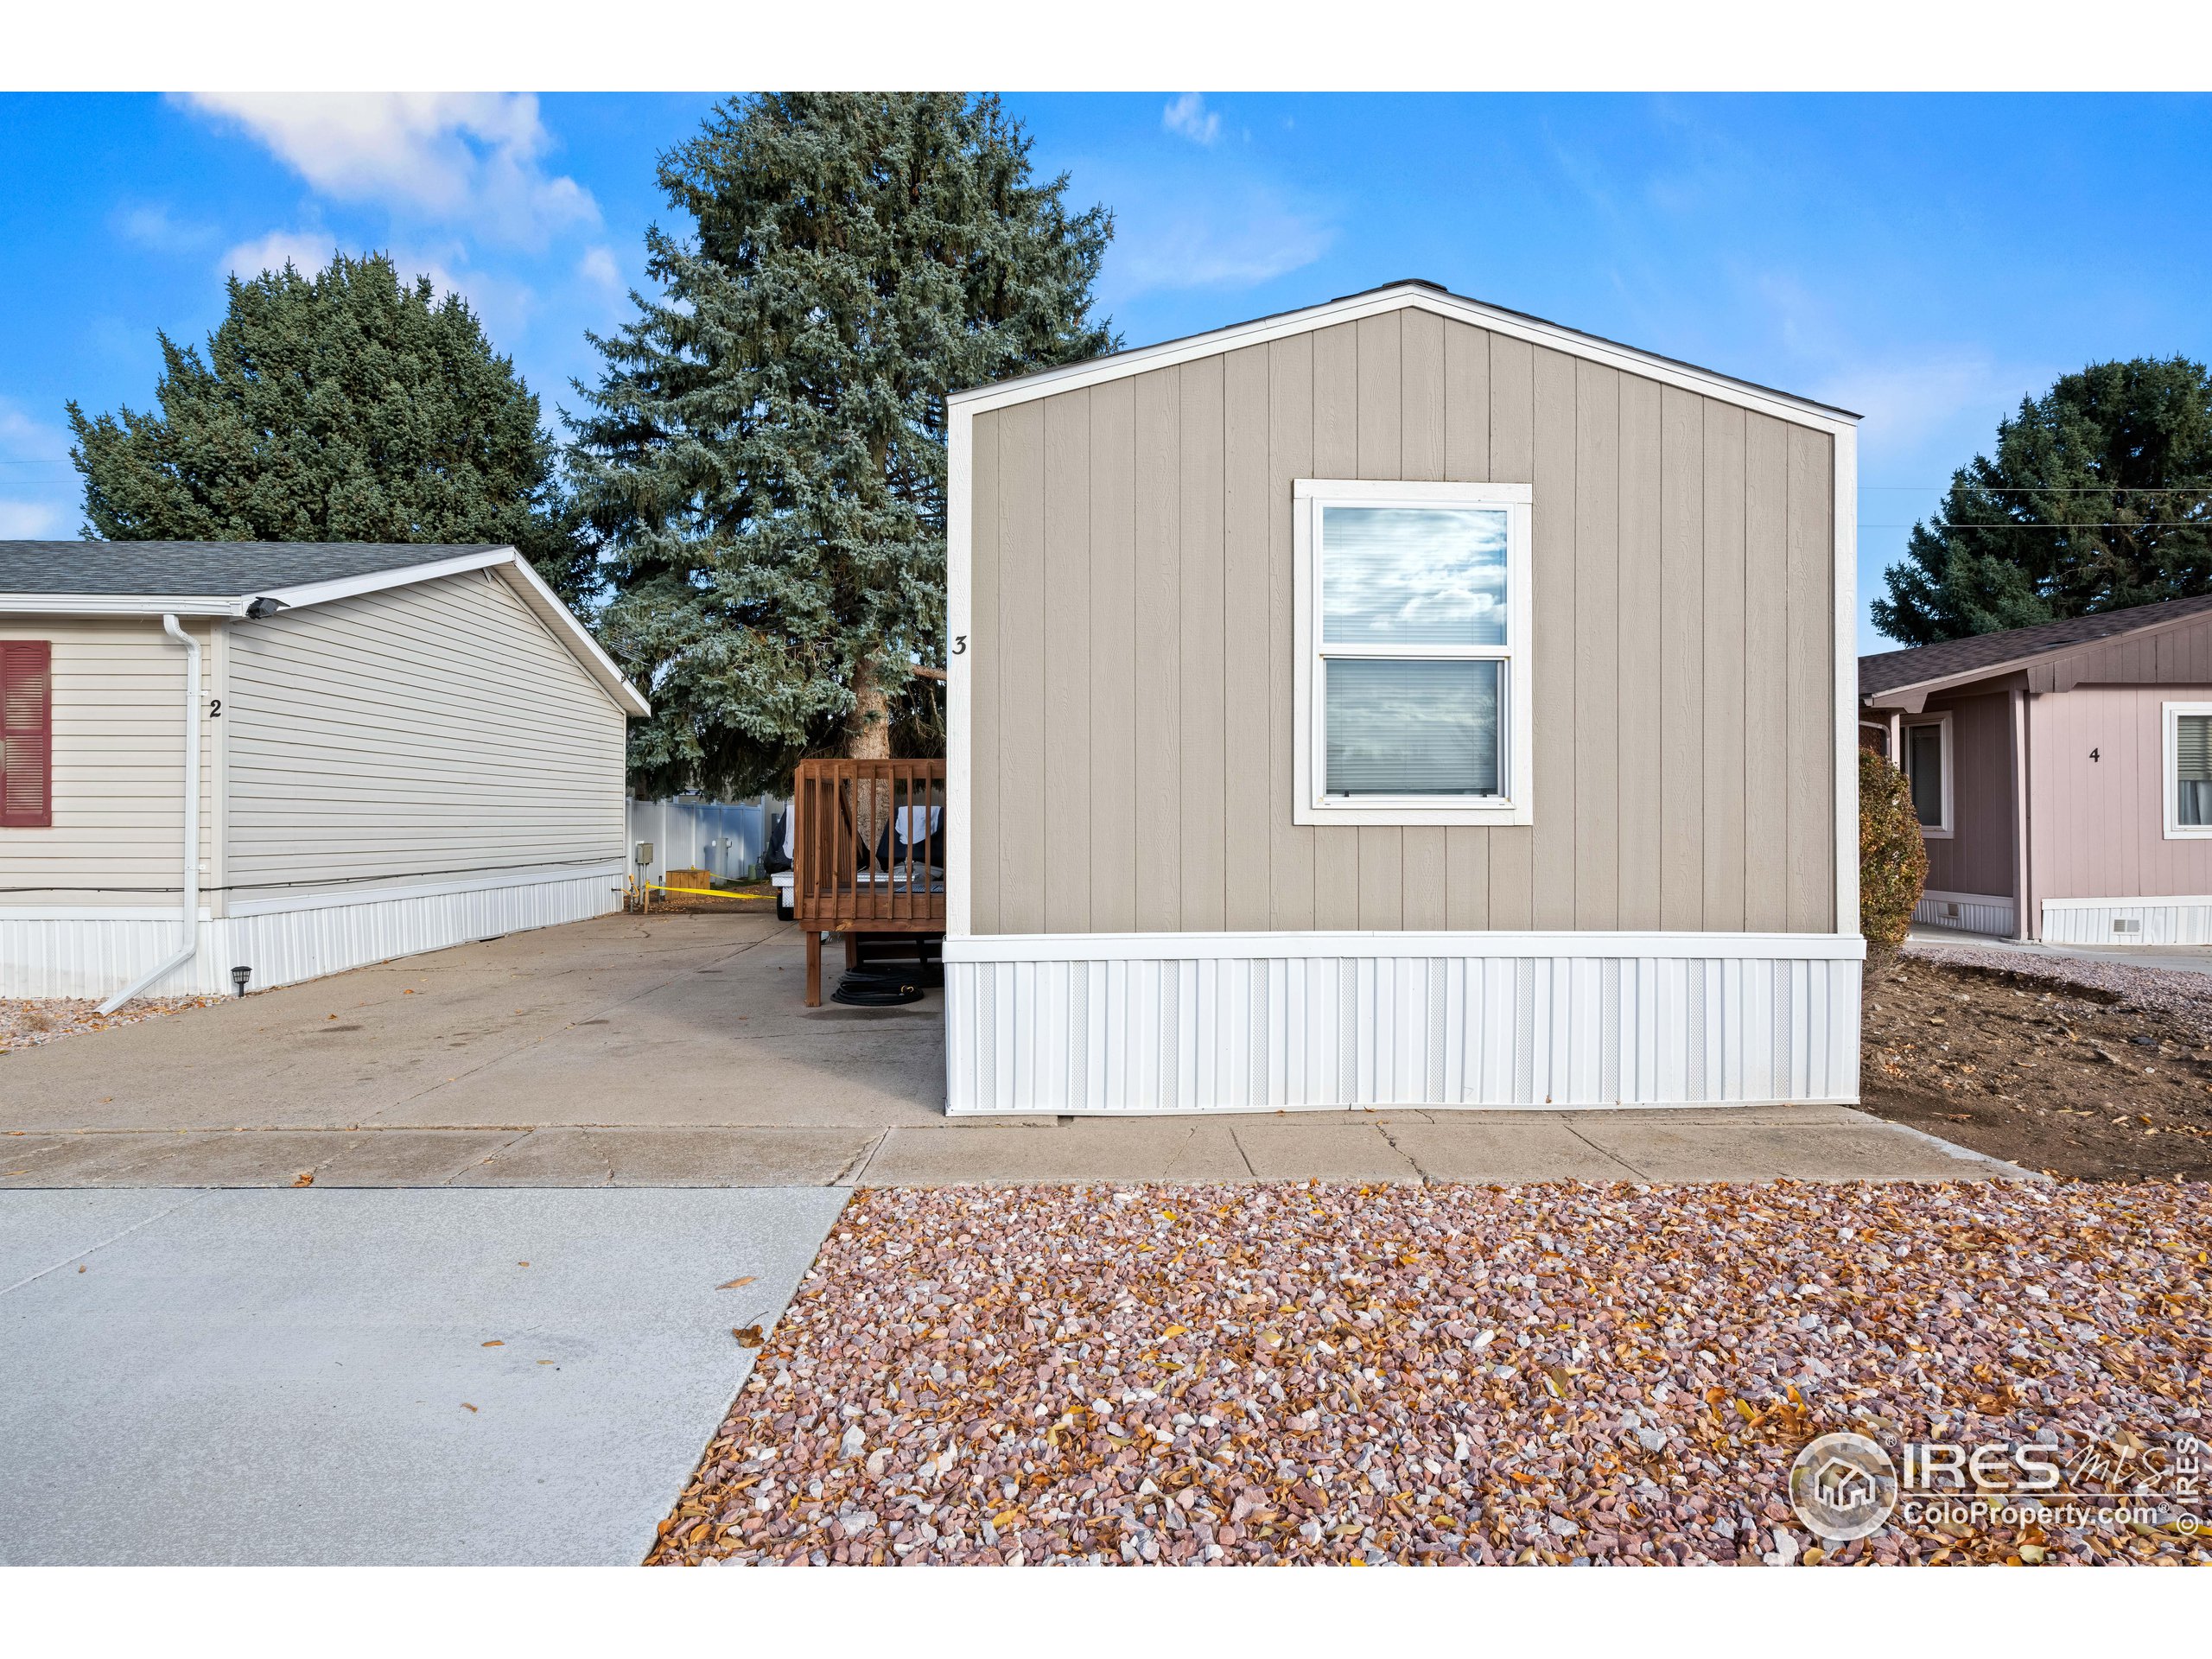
(1977, 856)
(1681, 707)
(1067, 683)
(1133, 745)
(2097, 828)
(1202, 745)
(1158, 559)
(986, 741)
(1299, 1032)
(1766, 657)
(1249, 601)
(1290, 457)
(1022, 669)
(1112, 806)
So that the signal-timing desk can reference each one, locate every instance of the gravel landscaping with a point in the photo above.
(1586, 1372)
(27, 1021)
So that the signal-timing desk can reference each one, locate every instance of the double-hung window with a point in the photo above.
(1414, 682)
(2187, 770)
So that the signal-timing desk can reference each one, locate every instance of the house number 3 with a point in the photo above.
(960, 644)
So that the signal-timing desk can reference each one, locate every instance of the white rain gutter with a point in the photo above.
(190, 948)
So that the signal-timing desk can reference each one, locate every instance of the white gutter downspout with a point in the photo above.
(2023, 840)
(190, 948)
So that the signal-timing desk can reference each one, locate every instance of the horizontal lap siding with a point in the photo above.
(118, 767)
(1683, 626)
(425, 731)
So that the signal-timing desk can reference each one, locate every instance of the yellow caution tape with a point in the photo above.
(704, 892)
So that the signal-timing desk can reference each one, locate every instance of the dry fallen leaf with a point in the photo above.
(748, 1337)
(495, 1343)
(734, 1283)
(465, 1406)
(306, 1178)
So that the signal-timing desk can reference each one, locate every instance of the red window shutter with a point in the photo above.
(26, 735)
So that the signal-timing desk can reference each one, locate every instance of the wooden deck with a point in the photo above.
(867, 853)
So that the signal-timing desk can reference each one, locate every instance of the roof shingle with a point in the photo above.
(208, 568)
(1889, 671)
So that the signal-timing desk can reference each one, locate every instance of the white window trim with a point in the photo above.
(2169, 715)
(1310, 805)
(1944, 830)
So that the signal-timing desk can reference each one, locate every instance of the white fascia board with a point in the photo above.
(1183, 947)
(1843, 516)
(123, 604)
(1705, 382)
(322, 593)
(541, 599)
(527, 583)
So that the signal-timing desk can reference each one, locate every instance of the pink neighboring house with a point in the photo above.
(2063, 774)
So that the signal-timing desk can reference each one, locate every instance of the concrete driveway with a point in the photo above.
(675, 1051)
(404, 1377)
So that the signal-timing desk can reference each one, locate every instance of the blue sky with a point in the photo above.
(1924, 260)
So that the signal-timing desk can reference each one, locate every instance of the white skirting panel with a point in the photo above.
(1970, 913)
(88, 952)
(2128, 921)
(1155, 1023)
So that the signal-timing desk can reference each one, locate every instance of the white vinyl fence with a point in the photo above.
(722, 839)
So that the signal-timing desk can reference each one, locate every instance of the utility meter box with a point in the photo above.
(645, 854)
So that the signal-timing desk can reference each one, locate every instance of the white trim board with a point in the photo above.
(1202, 947)
(1400, 296)
(1516, 803)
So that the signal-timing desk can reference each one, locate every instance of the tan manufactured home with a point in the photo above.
(369, 751)
(1403, 701)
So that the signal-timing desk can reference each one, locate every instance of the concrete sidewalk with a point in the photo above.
(1809, 1143)
(372, 1377)
(675, 1052)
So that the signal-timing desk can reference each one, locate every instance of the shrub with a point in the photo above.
(1892, 857)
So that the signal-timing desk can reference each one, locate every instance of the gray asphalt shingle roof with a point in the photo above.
(202, 568)
(1890, 670)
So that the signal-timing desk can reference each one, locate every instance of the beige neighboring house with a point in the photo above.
(1400, 701)
(369, 751)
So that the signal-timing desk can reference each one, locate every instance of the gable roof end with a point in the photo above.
(1984, 656)
(1409, 294)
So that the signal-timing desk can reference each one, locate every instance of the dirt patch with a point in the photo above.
(2033, 1067)
(729, 897)
(25, 1022)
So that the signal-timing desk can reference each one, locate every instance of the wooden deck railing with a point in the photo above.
(867, 851)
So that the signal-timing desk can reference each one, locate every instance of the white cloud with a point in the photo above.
(598, 268)
(308, 251)
(34, 470)
(1237, 237)
(471, 157)
(1944, 398)
(30, 521)
(151, 224)
(1189, 116)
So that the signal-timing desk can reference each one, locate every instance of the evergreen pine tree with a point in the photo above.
(344, 407)
(765, 453)
(2098, 497)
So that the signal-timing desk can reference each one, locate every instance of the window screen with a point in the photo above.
(1414, 649)
(2193, 769)
(1923, 765)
